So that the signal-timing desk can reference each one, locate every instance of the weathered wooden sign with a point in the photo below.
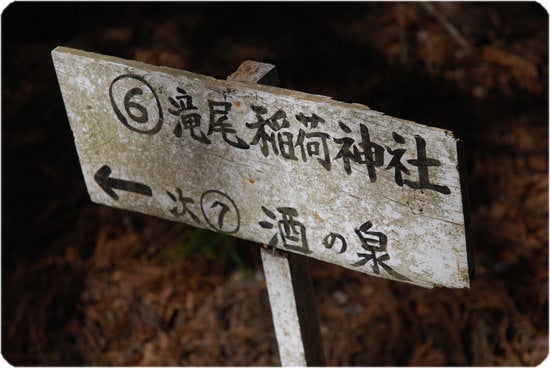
(330, 180)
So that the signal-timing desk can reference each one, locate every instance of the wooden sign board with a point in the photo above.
(330, 180)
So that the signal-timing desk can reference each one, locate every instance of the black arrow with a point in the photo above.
(109, 184)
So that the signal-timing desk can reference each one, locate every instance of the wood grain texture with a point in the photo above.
(335, 181)
(287, 276)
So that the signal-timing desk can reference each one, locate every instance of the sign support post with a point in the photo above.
(298, 172)
(293, 306)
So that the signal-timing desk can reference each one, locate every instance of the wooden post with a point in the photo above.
(293, 307)
(329, 180)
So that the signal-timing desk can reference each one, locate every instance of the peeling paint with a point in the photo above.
(319, 195)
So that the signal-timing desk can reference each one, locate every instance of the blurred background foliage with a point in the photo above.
(87, 284)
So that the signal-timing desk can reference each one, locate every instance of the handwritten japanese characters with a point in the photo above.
(273, 135)
(334, 181)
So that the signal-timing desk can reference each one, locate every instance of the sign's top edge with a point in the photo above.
(270, 89)
(147, 168)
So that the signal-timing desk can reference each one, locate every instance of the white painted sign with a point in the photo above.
(330, 180)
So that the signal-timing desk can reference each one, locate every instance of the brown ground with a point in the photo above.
(87, 284)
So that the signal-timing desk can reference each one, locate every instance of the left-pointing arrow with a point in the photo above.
(109, 184)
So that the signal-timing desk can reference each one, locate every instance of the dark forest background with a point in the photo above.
(87, 284)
